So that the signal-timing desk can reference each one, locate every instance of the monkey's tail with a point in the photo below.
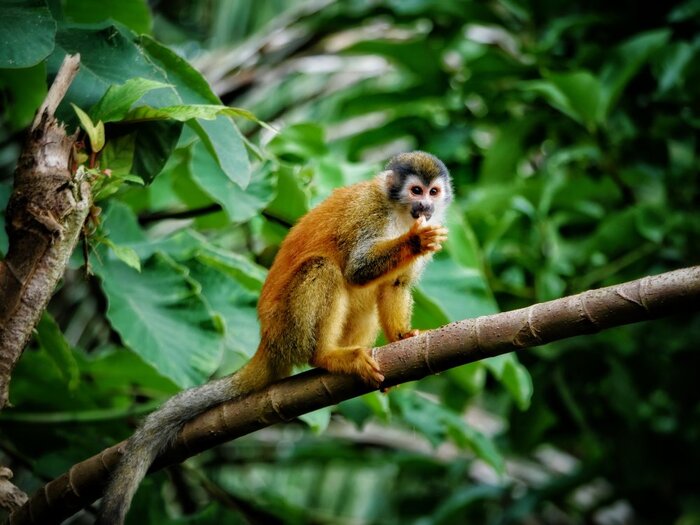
(161, 427)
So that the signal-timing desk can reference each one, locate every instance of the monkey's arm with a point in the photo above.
(372, 260)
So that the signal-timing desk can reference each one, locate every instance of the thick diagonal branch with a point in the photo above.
(431, 352)
(44, 217)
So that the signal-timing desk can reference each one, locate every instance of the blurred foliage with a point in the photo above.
(571, 133)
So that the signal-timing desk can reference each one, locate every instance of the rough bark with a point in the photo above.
(44, 217)
(429, 353)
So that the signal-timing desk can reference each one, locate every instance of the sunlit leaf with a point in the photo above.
(118, 99)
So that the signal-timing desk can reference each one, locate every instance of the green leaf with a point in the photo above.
(674, 61)
(685, 11)
(627, 59)
(154, 144)
(225, 144)
(27, 33)
(134, 14)
(465, 436)
(108, 56)
(118, 99)
(519, 383)
(502, 158)
(436, 423)
(299, 143)
(426, 312)
(25, 90)
(121, 369)
(51, 339)
(161, 315)
(461, 241)
(470, 378)
(378, 403)
(318, 419)
(126, 254)
(583, 96)
(292, 199)
(243, 270)
(96, 132)
(185, 112)
(120, 224)
(189, 83)
(459, 292)
(240, 205)
(514, 376)
(577, 94)
(233, 302)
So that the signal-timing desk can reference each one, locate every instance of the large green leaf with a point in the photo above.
(234, 303)
(221, 136)
(627, 59)
(299, 143)
(577, 94)
(50, 338)
(161, 315)
(583, 95)
(240, 268)
(673, 62)
(108, 56)
(292, 199)
(27, 32)
(118, 99)
(502, 157)
(185, 112)
(240, 205)
(26, 89)
(225, 144)
(514, 376)
(154, 142)
(436, 423)
(132, 13)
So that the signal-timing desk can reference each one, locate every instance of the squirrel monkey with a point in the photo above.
(344, 269)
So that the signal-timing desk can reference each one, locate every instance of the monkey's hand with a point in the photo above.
(426, 238)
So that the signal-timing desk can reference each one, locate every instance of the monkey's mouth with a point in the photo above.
(416, 214)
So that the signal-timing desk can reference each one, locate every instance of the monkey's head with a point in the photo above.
(419, 183)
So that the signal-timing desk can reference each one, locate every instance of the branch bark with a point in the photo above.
(408, 360)
(44, 218)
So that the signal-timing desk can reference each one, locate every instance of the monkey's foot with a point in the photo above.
(367, 368)
(352, 360)
(410, 333)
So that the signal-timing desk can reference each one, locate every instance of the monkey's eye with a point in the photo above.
(416, 190)
(434, 191)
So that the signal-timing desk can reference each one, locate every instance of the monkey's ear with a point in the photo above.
(389, 179)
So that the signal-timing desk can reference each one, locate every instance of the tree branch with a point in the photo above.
(408, 360)
(45, 214)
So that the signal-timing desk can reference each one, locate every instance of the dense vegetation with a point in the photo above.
(571, 134)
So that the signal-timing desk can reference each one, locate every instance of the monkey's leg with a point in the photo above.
(395, 306)
(361, 321)
(317, 309)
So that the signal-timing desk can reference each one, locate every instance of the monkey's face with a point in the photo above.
(420, 184)
(422, 199)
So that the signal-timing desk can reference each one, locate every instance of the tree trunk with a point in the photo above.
(44, 217)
